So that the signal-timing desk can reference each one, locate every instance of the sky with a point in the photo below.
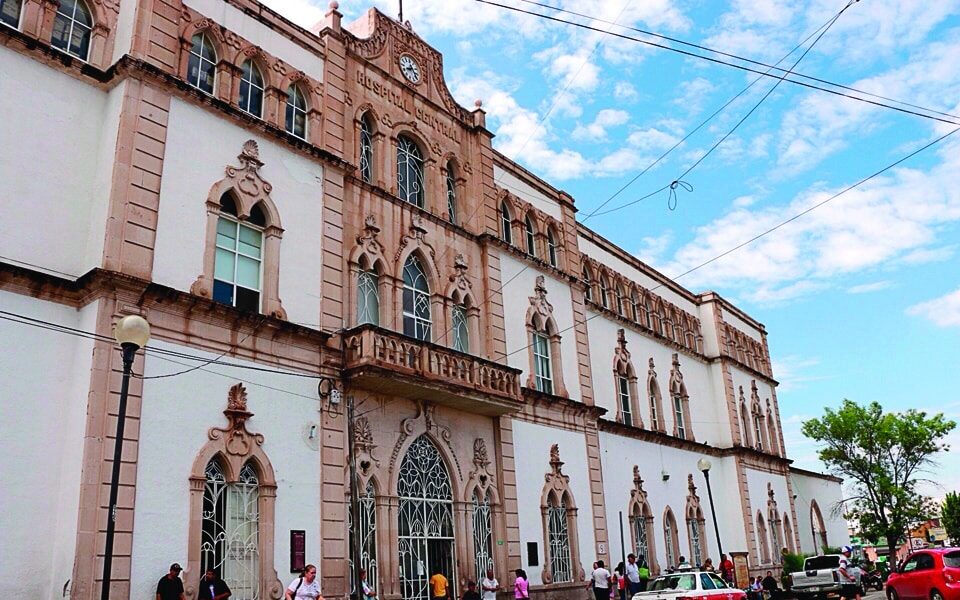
(861, 296)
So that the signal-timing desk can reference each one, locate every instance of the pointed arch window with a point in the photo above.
(368, 297)
(559, 513)
(696, 525)
(72, 27)
(410, 171)
(788, 534)
(671, 539)
(251, 89)
(561, 566)
(202, 66)
(634, 306)
(552, 248)
(366, 148)
(680, 400)
(452, 212)
(657, 421)
(758, 429)
(542, 366)
(239, 257)
(416, 300)
(744, 422)
(604, 292)
(230, 529)
(587, 283)
(764, 543)
(679, 417)
(771, 431)
(530, 234)
(461, 333)
(10, 12)
(506, 223)
(364, 525)
(619, 300)
(482, 535)
(296, 112)
(654, 412)
(625, 401)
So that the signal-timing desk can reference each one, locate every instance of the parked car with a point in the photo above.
(690, 585)
(819, 577)
(932, 574)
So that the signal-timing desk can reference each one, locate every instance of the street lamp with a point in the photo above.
(132, 333)
(704, 466)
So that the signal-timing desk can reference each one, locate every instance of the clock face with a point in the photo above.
(410, 68)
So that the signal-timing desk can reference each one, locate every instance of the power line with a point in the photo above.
(775, 227)
(722, 62)
(737, 57)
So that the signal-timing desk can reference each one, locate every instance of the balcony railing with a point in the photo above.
(388, 362)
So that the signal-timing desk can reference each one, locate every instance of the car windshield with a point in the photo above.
(684, 582)
(817, 563)
(718, 581)
(952, 559)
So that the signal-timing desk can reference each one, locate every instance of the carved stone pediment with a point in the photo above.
(417, 237)
(237, 439)
(539, 301)
(424, 421)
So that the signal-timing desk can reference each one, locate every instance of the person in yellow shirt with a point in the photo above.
(439, 588)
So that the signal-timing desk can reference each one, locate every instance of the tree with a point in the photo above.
(882, 457)
(950, 516)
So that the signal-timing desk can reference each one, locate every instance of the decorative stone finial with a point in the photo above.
(334, 5)
(478, 103)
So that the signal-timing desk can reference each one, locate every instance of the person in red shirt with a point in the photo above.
(726, 568)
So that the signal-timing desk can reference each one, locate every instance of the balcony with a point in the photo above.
(387, 362)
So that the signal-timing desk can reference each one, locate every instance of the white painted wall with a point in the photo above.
(44, 404)
(531, 446)
(526, 192)
(742, 325)
(757, 485)
(515, 299)
(56, 158)
(828, 494)
(199, 147)
(176, 415)
(633, 274)
(707, 401)
(619, 454)
(124, 29)
(711, 341)
(764, 390)
(258, 34)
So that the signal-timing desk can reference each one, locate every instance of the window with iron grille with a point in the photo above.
(409, 171)
(416, 301)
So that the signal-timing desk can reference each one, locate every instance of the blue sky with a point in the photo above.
(861, 297)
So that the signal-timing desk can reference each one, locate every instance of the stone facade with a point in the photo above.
(540, 396)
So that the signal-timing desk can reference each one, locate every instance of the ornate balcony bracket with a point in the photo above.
(388, 362)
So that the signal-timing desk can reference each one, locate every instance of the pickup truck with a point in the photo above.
(819, 577)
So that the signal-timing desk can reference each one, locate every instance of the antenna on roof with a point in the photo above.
(401, 11)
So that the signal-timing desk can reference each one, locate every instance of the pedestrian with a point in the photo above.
(755, 589)
(170, 586)
(770, 586)
(620, 589)
(632, 575)
(439, 586)
(471, 593)
(683, 565)
(521, 588)
(726, 569)
(644, 574)
(212, 587)
(489, 586)
(849, 586)
(708, 565)
(305, 586)
(600, 581)
(368, 591)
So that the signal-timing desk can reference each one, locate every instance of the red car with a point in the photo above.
(932, 574)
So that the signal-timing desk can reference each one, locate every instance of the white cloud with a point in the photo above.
(651, 139)
(597, 131)
(652, 248)
(575, 72)
(866, 288)
(693, 94)
(942, 312)
(929, 255)
(624, 91)
(793, 371)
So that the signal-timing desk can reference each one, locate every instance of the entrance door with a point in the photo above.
(425, 520)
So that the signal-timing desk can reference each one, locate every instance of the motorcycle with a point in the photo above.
(871, 579)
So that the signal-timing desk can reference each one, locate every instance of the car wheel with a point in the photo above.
(936, 595)
(892, 594)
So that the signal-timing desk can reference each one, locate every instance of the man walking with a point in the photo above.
(849, 576)
(212, 587)
(439, 586)
(170, 587)
(489, 586)
(600, 582)
(633, 575)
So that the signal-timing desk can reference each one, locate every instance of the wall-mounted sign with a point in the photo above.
(298, 550)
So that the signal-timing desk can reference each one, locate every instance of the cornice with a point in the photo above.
(634, 326)
(723, 358)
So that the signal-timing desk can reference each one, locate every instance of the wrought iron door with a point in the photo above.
(425, 520)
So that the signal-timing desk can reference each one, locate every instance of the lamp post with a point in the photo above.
(132, 333)
(704, 466)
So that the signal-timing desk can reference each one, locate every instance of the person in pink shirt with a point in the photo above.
(521, 589)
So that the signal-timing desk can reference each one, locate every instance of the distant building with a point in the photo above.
(276, 200)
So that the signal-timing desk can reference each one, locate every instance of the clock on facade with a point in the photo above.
(410, 68)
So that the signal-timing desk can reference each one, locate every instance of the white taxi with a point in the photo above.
(690, 585)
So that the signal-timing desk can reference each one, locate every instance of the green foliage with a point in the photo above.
(880, 456)
(950, 516)
(793, 562)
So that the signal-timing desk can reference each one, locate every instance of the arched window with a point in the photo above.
(452, 194)
(461, 334)
(71, 28)
(366, 148)
(634, 306)
(542, 361)
(425, 519)
(679, 417)
(202, 66)
(409, 171)
(239, 256)
(10, 12)
(368, 297)
(506, 223)
(654, 400)
(619, 298)
(762, 538)
(546, 373)
(552, 248)
(587, 283)
(680, 400)
(560, 565)
(670, 539)
(625, 401)
(696, 530)
(530, 234)
(641, 523)
(482, 536)
(230, 529)
(771, 431)
(819, 530)
(788, 534)
(296, 114)
(758, 429)
(775, 546)
(251, 89)
(625, 379)
(416, 300)
(744, 422)
(604, 292)
(559, 513)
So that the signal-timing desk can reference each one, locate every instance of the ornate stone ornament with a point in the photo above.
(620, 353)
(417, 237)
(246, 179)
(638, 491)
(424, 422)
(539, 300)
(237, 439)
(364, 448)
(677, 387)
(368, 239)
(480, 479)
(459, 277)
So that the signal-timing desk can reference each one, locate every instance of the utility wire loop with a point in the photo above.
(672, 198)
